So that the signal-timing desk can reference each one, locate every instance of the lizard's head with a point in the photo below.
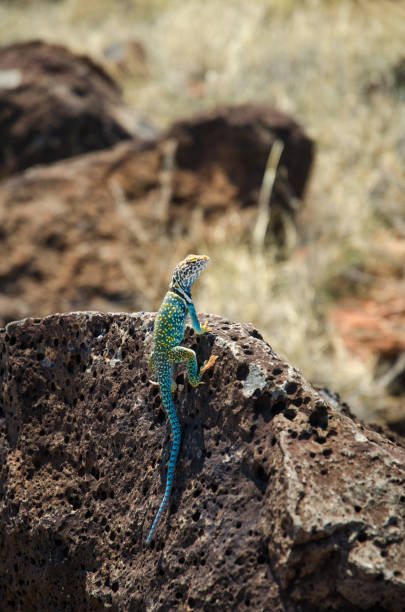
(188, 270)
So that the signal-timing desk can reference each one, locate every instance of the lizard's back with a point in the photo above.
(169, 324)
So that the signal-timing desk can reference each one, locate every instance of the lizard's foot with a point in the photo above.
(154, 383)
(208, 364)
(205, 328)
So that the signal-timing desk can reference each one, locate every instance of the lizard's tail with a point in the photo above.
(174, 422)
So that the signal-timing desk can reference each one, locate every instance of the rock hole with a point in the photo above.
(291, 388)
(290, 414)
(255, 334)
(362, 537)
(277, 408)
(70, 367)
(242, 371)
(160, 417)
(261, 405)
(75, 502)
(319, 417)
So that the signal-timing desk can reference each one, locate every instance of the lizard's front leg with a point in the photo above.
(199, 329)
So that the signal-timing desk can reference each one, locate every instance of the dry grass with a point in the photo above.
(330, 64)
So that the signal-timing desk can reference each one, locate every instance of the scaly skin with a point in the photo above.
(168, 333)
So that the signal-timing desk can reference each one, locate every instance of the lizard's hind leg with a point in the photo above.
(181, 353)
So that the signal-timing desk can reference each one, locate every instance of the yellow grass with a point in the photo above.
(331, 64)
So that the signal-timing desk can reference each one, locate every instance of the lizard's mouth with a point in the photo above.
(187, 271)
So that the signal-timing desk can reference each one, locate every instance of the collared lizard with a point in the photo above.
(168, 333)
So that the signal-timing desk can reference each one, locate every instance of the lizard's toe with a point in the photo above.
(209, 364)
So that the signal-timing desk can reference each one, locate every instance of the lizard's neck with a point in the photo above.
(183, 292)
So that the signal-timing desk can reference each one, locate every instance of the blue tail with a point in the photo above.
(175, 425)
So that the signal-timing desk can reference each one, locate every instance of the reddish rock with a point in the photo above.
(282, 500)
(211, 170)
(90, 232)
(55, 104)
(67, 240)
(374, 329)
(372, 326)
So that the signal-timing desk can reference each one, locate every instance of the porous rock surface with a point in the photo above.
(282, 500)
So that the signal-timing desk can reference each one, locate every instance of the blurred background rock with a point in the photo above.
(269, 134)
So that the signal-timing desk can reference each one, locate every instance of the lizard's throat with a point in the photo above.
(183, 292)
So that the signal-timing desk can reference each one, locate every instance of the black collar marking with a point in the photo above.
(182, 293)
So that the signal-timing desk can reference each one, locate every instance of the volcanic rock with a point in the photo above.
(282, 500)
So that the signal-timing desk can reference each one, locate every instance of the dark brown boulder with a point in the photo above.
(55, 104)
(236, 141)
(90, 232)
(282, 500)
